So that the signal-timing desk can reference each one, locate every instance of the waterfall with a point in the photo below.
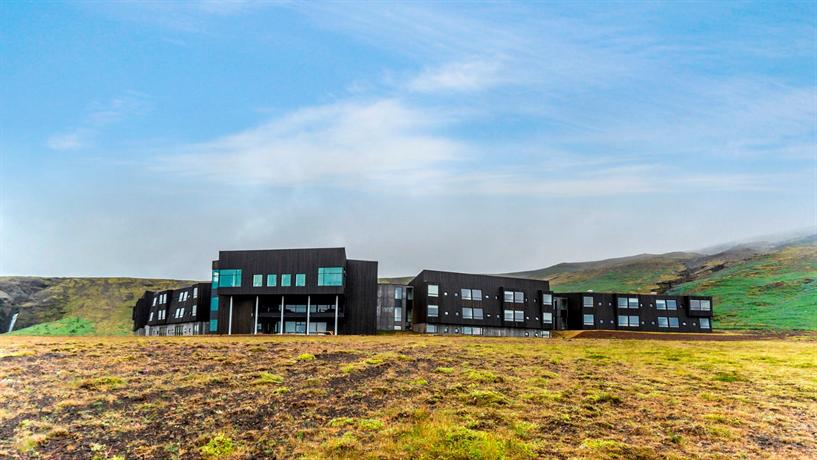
(13, 320)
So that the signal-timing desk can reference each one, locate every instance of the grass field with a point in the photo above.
(406, 396)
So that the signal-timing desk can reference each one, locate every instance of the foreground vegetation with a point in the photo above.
(406, 396)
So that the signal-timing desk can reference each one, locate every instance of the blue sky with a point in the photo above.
(138, 139)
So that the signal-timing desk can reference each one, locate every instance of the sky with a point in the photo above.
(139, 139)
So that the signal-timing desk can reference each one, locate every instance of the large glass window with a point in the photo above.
(257, 280)
(433, 290)
(330, 276)
(433, 311)
(476, 294)
(547, 299)
(431, 328)
(634, 321)
(519, 297)
(213, 325)
(587, 301)
(398, 293)
(662, 321)
(622, 302)
(398, 314)
(673, 322)
(272, 280)
(706, 305)
(215, 279)
(508, 315)
(286, 280)
(508, 296)
(661, 304)
(300, 279)
(477, 313)
(547, 318)
(589, 320)
(465, 294)
(229, 278)
(694, 304)
(622, 321)
(672, 304)
(633, 302)
(519, 316)
(214, 304)
(705, 323)
(467, 313)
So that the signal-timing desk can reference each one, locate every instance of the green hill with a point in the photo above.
(76, 306)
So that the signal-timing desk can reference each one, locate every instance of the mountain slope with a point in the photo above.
(76, 306)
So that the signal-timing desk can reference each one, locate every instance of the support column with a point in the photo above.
(230, 322)
(336, 315)
(281, 331)
(308, 307)
(255, 328)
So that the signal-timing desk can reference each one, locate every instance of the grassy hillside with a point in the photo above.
(777, 290)
(406, 397)
(76, 306)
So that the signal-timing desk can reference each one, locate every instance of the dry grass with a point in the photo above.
(406, 396)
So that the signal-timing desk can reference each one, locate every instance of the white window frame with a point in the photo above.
(480, 315)
(465, 294)
(433, 290)
(467, 313)
(435, 309)
(623, 321)
(584, 301)
(708, 323)
(664, 320)
(547, 299)
(547, 317)
(591, 322)
(508, 315)
(476, 294)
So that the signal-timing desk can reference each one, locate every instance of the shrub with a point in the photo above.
(102, 383)
(486, 398)
(218, 446)
(267, 378)
(444, 370)
(370, 424)
(482, 376)
(305, 357)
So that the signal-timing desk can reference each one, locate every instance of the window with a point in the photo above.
(476, 294)
(467, 330)
(661, 304)
(622, 302)
(195, 307)
(508, 297)
(150, 318)
(587, 301)
(706, 305)
(508, 315)
(519, 316)
(673, 322)
(694, 304)
(672, 304)
(431, 328)
(330, 276)
(633, 302)
(465, 294)
(155, 299)
(286, 280)
(214, 304)
(705, 323)
(662, 321)
(215, 279)
(398, 293)
(195, 293)
(547, 299)
(622, 321)
(634, 321)
(272, 280)
(588, 319)
(547, 318)
(257, 280)
(519, 297)
(300, 279)
(477, 313)
(398, 314)
(433, 290)
(229, 278)
(181, 312)
(467, 313)
(433, 311)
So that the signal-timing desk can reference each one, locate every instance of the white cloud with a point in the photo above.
(85, 134)
(460, 76)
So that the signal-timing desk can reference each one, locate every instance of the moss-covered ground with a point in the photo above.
(406, 396)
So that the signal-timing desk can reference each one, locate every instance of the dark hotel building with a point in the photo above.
(320, 291)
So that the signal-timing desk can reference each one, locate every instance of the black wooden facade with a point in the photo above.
(638, 312)
(308, 291)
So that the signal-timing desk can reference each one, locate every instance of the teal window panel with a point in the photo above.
(214, 304)
(330, 276)
(286, 280)
(272, 280)
(215, 279)
(300, 279)
(257, 280)
(229, 278)
(213, 325)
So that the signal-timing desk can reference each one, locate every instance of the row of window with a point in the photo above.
(514, 315)
(633, 321)
(668, 304)
(160, 299)
(467, 330)
(624, 302)
(476, 294)
(478, 313)
(660, 304)
(471, 294)
(184, 295)
(700, 305)
(514, 297)
(327, 276)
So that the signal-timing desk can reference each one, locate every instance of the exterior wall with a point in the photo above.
(450, 304)
(391, 297)
(180, 329)
(608, 309)
(356, 297)
(194, 308)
